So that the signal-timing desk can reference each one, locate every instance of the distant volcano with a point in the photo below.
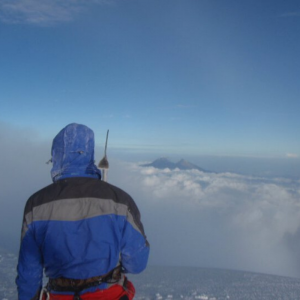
(164, 163)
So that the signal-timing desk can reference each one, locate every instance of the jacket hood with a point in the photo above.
(73, 153)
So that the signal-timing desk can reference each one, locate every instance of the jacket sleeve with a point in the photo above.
(135, 247)
(30, 269)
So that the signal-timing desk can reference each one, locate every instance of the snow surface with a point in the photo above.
(183, 283)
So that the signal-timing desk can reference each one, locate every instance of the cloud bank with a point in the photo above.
(220, 220)
(43, 12)
(23, 170)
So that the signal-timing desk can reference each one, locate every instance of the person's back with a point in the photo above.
(80, 230)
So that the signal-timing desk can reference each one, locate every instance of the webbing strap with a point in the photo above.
(112, 277)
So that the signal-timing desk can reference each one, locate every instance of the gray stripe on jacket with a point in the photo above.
(77, 209)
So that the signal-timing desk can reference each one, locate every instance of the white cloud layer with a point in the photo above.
(43, 12)
(220, 220)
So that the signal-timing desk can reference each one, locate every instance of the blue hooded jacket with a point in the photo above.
(79, 226)
(73, 153)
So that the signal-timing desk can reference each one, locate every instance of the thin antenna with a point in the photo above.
(103, 164)
(106, 142)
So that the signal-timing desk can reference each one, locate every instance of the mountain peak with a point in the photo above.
(165, 163)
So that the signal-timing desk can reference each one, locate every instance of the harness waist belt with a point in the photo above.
(75, 285)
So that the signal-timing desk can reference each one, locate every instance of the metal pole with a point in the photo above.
(103, 164)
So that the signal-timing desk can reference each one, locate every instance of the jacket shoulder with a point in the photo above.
(39, 197)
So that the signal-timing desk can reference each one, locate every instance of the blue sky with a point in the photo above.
(213, 81)
(192, 76)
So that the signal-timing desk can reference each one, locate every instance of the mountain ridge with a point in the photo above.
(165, 163)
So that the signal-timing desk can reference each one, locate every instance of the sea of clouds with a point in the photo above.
(191, 218)
(221, 220)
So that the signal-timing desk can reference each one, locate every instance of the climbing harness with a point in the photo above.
(76, 286)
(44, 291)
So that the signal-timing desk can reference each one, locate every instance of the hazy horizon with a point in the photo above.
(223, 220)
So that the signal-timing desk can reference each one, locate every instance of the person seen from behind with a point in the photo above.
(84, 234)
